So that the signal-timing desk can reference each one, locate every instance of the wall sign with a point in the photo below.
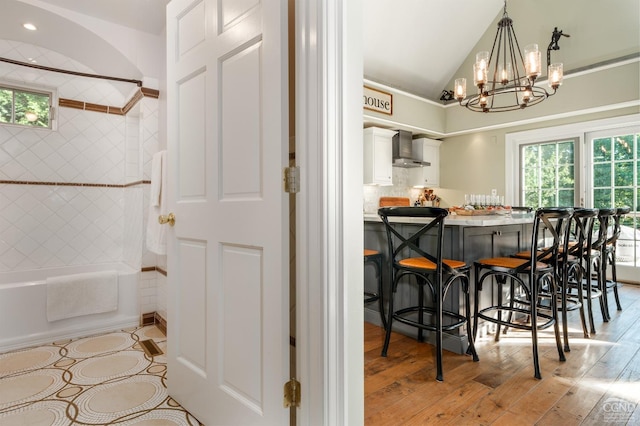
(377, 100)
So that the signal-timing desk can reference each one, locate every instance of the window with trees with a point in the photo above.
(25, 107)
(615, 168)
(548, 174)
(615, 171)
(594, 164)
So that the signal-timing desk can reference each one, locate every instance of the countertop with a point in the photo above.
(456, 220)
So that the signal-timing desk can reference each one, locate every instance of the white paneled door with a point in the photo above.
(228, 312)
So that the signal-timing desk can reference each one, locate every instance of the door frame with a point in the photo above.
(329, 236)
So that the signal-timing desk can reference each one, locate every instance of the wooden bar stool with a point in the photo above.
(610, 256)
(598, 280)
(569, 270)
(573, 270)
(581, 281)
(375, 257)
(429, 271)
(535, 278)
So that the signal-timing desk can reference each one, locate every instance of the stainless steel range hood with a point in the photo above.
(403, 151)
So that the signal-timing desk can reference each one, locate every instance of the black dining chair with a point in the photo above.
(415, 259)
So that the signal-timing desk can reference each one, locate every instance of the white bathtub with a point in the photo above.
(23, 308)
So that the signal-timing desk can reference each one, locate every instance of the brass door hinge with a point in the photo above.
(292, 180)
(291, 394)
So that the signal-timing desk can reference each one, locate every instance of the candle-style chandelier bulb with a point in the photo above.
(460, 89)
(532, 61)
(555, 76)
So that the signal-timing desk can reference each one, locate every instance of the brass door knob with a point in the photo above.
(170, 219)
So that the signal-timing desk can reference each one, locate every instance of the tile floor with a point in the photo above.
(100, 380)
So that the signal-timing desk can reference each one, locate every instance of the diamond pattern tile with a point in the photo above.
(60, 226)
(44, 226)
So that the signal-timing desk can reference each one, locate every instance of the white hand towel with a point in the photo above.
(156, 179)
(70, 296)
(156, 233)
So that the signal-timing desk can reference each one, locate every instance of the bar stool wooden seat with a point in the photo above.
(375, 257)
(521, 209)
(533, 278)
(416, 259)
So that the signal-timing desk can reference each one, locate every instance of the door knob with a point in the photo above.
(170, 219)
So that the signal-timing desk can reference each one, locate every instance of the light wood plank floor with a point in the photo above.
(599, 384)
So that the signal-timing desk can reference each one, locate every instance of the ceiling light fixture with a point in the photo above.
(29, 26)
(505, 78)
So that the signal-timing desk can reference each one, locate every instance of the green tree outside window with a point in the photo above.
(548, 174)
(24, 107)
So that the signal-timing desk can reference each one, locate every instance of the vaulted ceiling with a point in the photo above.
(417, 45)
(421, 46)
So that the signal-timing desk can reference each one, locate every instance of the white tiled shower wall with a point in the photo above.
(59, 225)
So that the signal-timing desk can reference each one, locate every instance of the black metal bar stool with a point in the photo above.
(375, 257)
(535, 278)
(409, 257)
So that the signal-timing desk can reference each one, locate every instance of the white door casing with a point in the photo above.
(329, 151)
(228, 324)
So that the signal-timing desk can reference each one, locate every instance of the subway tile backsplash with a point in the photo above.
(400, 188)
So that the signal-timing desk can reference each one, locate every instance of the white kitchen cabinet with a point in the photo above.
(378, 156)
(428, 150)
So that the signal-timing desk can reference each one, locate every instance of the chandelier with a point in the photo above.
(506, 78)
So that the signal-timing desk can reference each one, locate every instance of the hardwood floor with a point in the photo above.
(599, 384)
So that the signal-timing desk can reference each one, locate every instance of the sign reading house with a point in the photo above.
(379, 101)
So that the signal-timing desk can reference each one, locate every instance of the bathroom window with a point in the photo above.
(25, 107)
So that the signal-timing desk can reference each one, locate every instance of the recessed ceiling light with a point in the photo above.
(30, 26)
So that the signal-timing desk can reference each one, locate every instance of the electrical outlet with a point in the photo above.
(494, 192)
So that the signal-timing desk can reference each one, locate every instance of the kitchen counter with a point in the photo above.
(459, 220)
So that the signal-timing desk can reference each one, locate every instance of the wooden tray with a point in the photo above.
(463, 212)
(394, 201)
